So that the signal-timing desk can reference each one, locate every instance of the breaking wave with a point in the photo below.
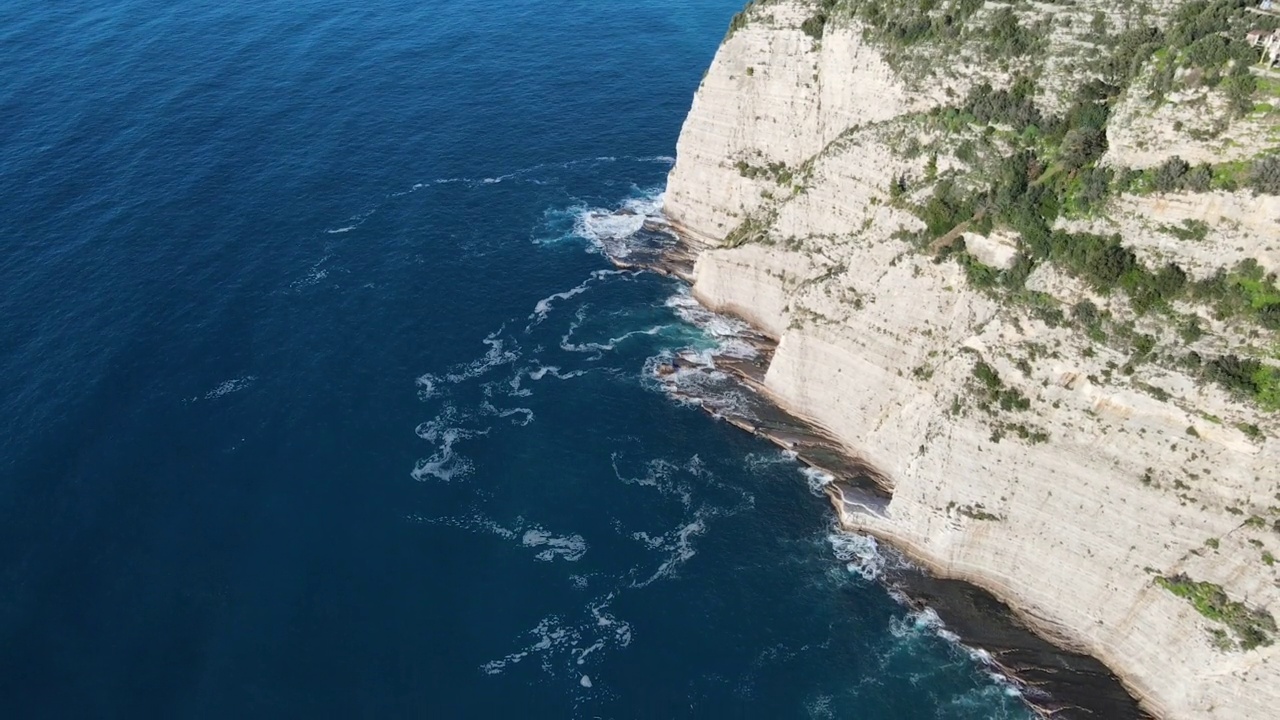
(817, 480)
(725, 335)
(860, 553)
(615, 232)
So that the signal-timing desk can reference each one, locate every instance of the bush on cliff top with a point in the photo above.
(815, 24)
(1264, 175)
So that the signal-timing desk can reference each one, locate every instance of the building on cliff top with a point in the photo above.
(1268, 41)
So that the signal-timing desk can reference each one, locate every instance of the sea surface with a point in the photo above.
(321, 398)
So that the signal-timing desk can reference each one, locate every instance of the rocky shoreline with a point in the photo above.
(1055, 682)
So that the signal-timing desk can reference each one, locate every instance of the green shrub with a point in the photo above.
(1246, 377)
(988, 377)
(814, 25)
(1014, 107)
(1094, 186)
(1191, 330)
(1086, 313)
(981, 276)
(1006, 37)
(740, 20)
(1081, 146)
(1264, 175)
(945, 209)
(1168, 177)
(1191, 230)
(1240, 90)
(1101, 260)
(1132, 50)
(1198, 179)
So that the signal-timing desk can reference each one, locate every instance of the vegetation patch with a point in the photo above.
(776, 171)
(815, 24)
(1251, 627)
(1190, 230)
(977, 512)
(993, 393)
(1244, 377)
(752, 229)
(1260, 174)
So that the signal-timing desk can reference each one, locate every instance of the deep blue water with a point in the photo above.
(287, 431)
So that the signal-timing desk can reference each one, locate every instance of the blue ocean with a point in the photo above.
(322, 398)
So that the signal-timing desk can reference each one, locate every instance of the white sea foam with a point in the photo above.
(819, 708)
(514, 384)
(570, 548)
(660, 475)
(817, 480)
(555, 372)
(767, 461)
(496, 355)
(474, 523)
(523, 416)
(599, 348)
(925, 622)
(611, 231)
(565, 648)
(982, 699)
(452, 426)
(602, 226)
(697, 382)
(860, 553)
(445, 463)
(428, 386)
(544, 306)
(315, 274)
(916, 623)
(344, 229)
(653, 543)
(863, 556)
(550, 546)
(678, 546)
(227, 387)
(725, 332)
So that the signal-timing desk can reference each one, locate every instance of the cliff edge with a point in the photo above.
(1021, 258)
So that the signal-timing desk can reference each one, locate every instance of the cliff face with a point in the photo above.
(1082, 469)
(773, 101)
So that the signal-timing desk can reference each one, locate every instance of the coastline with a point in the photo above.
(1055, 679)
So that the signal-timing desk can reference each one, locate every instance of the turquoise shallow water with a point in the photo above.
(322, 399)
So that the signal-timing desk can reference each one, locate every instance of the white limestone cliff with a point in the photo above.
(1069, 509)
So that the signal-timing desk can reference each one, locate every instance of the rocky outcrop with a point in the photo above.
(1023, 456)
(797, 101)
(1189, 124)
